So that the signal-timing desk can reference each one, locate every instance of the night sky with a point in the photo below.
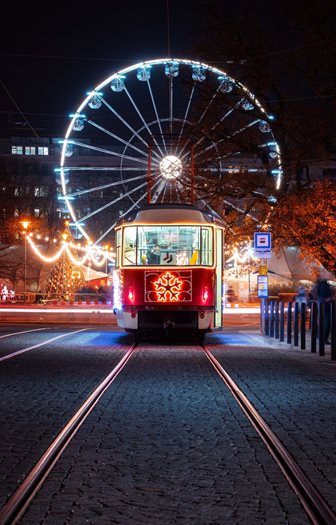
(51, 55)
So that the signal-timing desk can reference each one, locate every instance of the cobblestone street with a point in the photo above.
(167, 443)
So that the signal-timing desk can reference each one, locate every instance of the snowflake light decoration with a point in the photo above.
(168, 287)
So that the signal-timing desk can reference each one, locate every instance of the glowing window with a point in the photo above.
(17, 150)
(167, 246)
(43, 150)
(30, 150)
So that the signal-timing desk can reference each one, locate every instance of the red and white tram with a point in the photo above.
(168, 273)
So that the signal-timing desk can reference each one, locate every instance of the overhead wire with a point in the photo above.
(18, 108)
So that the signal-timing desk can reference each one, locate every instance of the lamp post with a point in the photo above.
(106, 249)
(25, 225)
(64, 237)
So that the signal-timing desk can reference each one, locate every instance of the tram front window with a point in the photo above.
(167, 246)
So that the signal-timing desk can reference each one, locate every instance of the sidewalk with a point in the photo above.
(67, 314)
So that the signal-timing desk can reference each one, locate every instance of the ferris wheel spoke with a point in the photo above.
(165, 192)
(156, 114)
(226, 137)
(109, 152)
(162, 185)
(206, 204)
(111, 184)
(185, 118)
(135, 133)
(97, 168)
(143, 120)
(171, 99)
(89, 215)
(208, 105)
(227, 114)
(123, 215)
(240, 210)
(107, 132)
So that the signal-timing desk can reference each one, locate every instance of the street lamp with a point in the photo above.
(25, 225)
(64, 237)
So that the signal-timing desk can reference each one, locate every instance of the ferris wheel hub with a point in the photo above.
(171, 167)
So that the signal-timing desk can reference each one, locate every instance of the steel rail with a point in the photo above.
(312, 501)
(18, 503)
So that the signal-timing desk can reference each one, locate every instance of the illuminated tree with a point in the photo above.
(65, 277)
(307, 220)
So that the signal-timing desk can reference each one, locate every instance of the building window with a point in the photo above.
(30, 150)
(43, 150)
(17, 150)
(21, 191)
(41, 191)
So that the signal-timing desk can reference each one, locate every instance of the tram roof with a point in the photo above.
(171, 214)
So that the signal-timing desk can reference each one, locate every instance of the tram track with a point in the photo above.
(16, 506)
(315, 506)
(312, 501)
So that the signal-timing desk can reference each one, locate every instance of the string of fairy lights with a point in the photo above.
(240, 255)
(79, 255)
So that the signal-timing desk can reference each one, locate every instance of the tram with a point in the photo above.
(168, 274)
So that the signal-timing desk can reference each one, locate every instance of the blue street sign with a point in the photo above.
(262, 242)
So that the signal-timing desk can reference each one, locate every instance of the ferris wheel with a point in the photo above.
(164, 130)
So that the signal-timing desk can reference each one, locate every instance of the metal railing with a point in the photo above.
(303, 324)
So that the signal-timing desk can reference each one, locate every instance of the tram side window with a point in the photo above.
(129, 246)
(118, 248)
(142, 253)
(207, 249)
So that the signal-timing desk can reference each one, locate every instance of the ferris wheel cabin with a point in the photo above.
(168, 273)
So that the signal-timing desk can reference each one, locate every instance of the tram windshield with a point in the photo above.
(167, 246)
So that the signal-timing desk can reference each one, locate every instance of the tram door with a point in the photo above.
(219, 278)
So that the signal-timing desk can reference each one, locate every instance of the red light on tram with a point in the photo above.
(205, 294)
(131, 294)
